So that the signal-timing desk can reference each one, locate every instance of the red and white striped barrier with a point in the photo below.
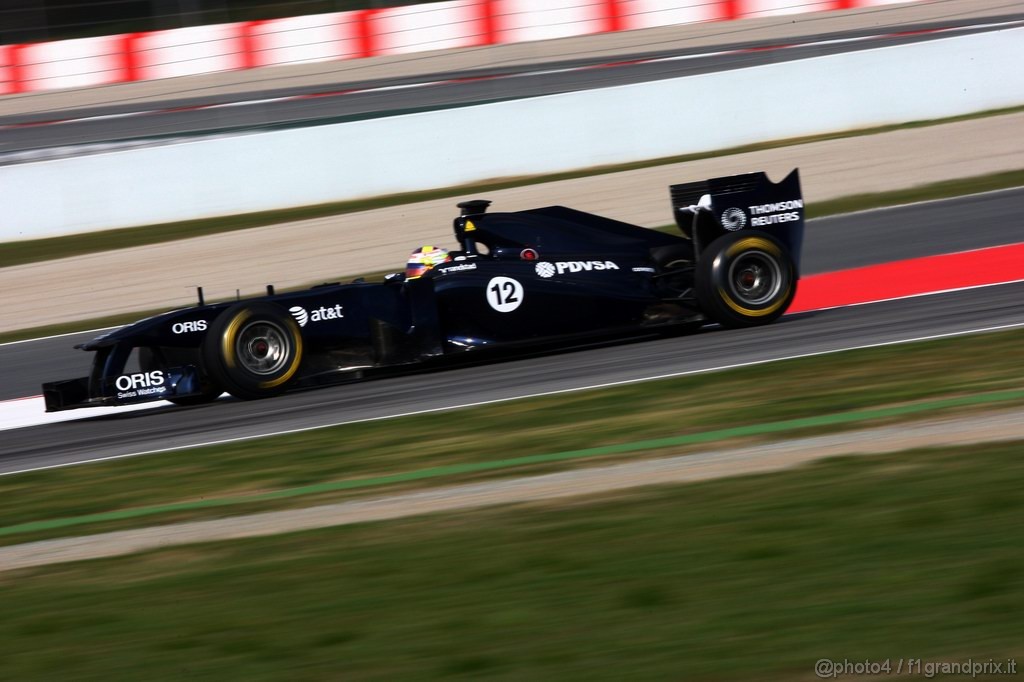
(7, 79)
(365, 33)
(312, 38)
(437, 26)
(187, 51)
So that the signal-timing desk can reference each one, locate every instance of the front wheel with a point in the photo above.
(253, 350)
(745, 279)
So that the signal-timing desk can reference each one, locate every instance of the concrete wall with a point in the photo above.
(255, 172)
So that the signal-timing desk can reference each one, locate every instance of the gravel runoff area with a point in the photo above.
(988, 428)
(327, 249)
(609, 45)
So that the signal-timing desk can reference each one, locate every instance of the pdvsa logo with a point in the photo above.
(552, 269)
(304, 317)
(189, 327)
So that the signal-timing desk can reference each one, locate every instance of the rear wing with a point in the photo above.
(708, 209)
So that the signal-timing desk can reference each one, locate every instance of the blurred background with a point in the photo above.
(866, 448)
(23, 21)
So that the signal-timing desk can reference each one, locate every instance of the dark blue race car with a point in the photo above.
(547, 275)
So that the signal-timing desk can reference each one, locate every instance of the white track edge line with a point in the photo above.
(59, 336)
(563, 391)
(939, 200)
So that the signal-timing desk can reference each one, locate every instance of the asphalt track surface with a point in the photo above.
(834, 243)
(107, 126)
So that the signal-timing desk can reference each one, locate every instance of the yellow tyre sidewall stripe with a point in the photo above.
(228, 348)
(227, 341)
(761, 244)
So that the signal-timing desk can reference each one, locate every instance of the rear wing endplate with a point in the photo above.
(707, 209)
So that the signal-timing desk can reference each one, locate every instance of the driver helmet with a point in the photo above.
(424, 258)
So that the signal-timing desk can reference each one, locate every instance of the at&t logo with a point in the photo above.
(334, 312)
(300, 315)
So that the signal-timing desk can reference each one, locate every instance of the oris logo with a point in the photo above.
(189, 327)
(552, 269)
(143, 383)
(303, 317)
(734, 219)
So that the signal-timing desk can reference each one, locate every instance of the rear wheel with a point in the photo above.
(253, 350)
(745, 279)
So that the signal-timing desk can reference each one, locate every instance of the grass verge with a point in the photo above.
(917, 555)
(467, 442)
(939, 190)
(29, 251)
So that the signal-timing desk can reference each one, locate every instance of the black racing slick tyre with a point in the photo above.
(253, 350)
(158, 358)
(745, 279)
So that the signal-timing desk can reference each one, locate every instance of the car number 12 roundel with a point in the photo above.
(504, 294)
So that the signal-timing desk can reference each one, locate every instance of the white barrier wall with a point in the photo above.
(256, 172)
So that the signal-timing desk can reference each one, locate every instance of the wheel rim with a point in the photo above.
(263, 348)
(755, 278)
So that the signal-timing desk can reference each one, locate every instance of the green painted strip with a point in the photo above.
(475, 467)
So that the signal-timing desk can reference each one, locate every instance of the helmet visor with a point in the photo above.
(413, 270)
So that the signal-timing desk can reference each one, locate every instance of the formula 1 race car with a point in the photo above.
(547, 275)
